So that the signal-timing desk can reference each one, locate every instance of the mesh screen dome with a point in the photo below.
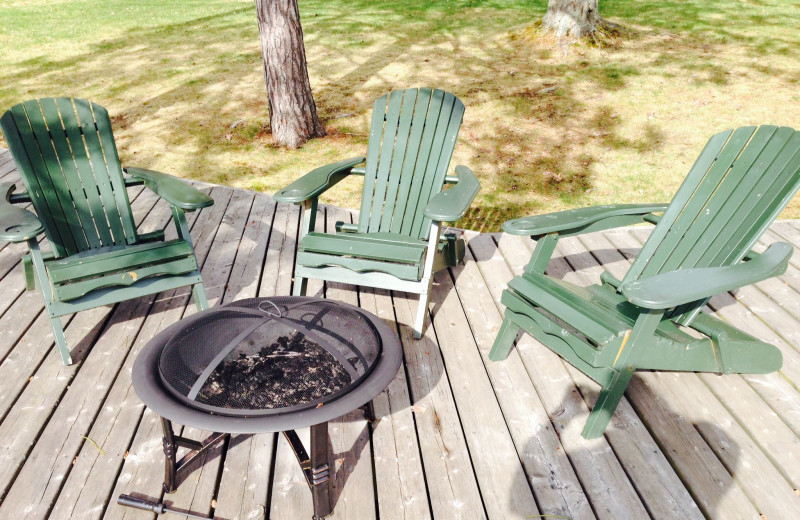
(259, 356)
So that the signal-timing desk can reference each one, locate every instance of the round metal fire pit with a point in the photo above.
(267, 364)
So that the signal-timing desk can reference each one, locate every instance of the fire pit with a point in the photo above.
(265, 365)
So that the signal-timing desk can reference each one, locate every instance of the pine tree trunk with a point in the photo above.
(573, 18)
(292, 112)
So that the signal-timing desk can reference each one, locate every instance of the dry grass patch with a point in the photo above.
(544, 129)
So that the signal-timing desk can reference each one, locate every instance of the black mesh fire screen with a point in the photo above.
(259, 357)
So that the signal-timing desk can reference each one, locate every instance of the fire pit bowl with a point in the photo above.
(266, 365)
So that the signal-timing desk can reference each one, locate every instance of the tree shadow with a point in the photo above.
(681, 451)
(532, 132)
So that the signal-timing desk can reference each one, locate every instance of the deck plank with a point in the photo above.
(197, 492)
(399, 473)
(594, 461)
(352, 489)
(244, 484)
(457, 436)
(142, 472)
(61, 440)
(552, 478)
(452, 488)
(500, 475)
(766, 487)
(290, 491)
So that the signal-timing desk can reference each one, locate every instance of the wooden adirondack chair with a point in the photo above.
(396, 243)
(700, 246)
(66, 155)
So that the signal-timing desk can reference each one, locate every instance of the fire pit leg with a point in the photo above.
(369, 412)
(315, 468)
(320, 471)
(170, 457)
(171, 444)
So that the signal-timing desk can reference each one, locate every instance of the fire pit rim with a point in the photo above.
(151, 390)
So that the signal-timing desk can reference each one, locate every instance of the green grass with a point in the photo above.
(623, 123)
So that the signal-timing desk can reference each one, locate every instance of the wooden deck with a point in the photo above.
(456, 437)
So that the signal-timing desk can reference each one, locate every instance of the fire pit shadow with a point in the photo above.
(214, 446)
(346, 461)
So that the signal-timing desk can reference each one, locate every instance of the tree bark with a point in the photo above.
(292, 112)
(572, 18)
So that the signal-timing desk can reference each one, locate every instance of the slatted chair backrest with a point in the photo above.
(411, 141)
(68, 160)
(740, 183)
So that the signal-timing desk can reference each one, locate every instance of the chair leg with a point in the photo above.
(606, 403)
(422, 311)
(427, 278)
(199, 293)
(300, 286)
(61, 340)
(30, 276)
(504, 340)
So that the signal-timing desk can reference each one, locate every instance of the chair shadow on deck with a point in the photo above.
(696, 455)
(172, 300)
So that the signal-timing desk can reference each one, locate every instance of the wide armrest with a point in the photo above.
(667, 290)
(16, 224)
(175, 191)
(317, 181)
(451, 204)
(582, 220)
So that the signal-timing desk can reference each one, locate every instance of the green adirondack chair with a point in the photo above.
(66, 155)
(700, 246)
(396, 243)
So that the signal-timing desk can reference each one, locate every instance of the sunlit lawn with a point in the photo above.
(547, 126)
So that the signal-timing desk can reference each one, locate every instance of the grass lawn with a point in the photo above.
(547, 127)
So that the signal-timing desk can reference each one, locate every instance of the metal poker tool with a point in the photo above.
(156, 507)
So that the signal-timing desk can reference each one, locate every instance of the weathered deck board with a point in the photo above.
(717, 438)
(352, 489)
(399, 480)
(547, 467)
(607, 487)
(456, 435)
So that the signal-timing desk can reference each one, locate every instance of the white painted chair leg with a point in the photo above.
(422, 312)
(427, 279)
(300, 286)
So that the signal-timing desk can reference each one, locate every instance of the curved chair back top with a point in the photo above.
(66, 155)
(412, 136)
(739, 184)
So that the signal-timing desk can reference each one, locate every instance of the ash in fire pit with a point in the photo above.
(291, 371)
(271, 356)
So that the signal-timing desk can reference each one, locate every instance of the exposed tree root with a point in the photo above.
(606, 34)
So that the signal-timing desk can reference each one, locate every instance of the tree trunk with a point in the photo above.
(572, 18)
(292, 112)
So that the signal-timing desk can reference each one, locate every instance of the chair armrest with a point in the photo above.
(317, 181)
(667, 290)
(582, 220)
(16, 224)
(451, 204)
(175, 191)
